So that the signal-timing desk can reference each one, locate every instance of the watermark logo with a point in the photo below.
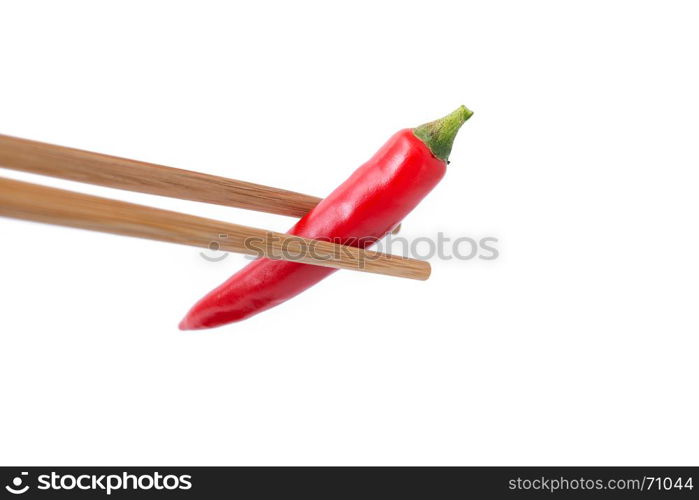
(214, 254)
(16, 488)
(287, 247)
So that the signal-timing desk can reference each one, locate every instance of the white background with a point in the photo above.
(577, 346)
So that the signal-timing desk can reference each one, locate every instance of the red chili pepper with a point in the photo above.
(376, 197)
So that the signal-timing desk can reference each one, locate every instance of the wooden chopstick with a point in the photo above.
(111, 171)
(23, 200)
(132, 175)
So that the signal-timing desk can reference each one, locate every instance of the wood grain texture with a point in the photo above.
(23, 200)
(121, 173)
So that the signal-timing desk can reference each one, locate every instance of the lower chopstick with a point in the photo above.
(23, 200)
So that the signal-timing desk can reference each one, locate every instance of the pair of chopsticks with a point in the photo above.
(23, 200)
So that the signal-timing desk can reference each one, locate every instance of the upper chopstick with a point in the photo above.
(111, 171)
(23, 200)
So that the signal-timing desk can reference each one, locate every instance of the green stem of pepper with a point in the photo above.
(439, 135)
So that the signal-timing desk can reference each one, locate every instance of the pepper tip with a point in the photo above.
(186, 325)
